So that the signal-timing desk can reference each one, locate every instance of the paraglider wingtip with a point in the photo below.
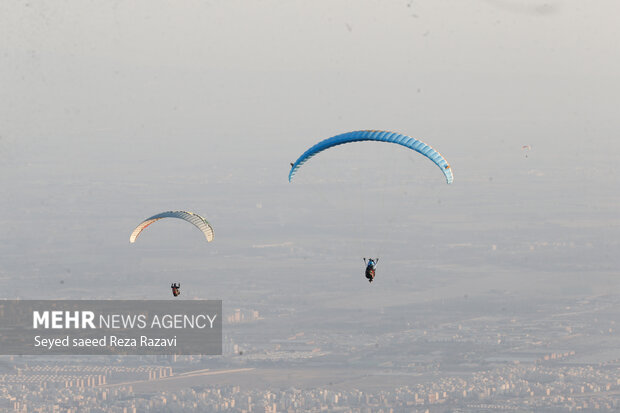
(290, 174)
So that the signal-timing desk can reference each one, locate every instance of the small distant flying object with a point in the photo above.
(198, 221)
(371, 267)
(376, 136)
(176, 289)
(526, 149)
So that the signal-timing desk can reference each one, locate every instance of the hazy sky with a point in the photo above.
(203, 67)
(112, 111)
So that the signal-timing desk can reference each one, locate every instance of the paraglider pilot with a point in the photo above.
(371, 266)
(175, 289)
